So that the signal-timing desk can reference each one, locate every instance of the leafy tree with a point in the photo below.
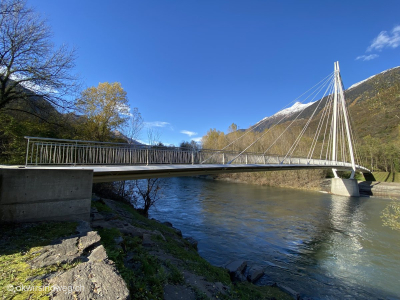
(391, 216)
(232, 128)
(105, 108)
(30, 66)
(214, 139)
(192, 145)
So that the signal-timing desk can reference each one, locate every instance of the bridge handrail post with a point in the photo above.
(27, 151)
(192, 157)
(76, 150)
(147, 156)
(223, 158)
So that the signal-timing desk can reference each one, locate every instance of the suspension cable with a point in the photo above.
(265, 119)
(294, 146)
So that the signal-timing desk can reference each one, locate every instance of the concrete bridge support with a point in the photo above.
(345, 187)
(31, 195)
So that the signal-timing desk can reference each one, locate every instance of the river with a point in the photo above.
(322, 246)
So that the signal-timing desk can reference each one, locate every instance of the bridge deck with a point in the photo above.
(115, 173)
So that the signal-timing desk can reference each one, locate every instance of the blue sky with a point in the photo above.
(189, 66)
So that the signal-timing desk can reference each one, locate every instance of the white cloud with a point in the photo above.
(39, 89)
(124, 109)
(367, 57)
(189, 133)
(156, 124)
(198, 139)
(386, 40)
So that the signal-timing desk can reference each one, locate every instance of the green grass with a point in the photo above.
(18, 245)
(145, 223)
(386, 177)
(101, 206)
(193, 261)
(146, 276)
(379, 176)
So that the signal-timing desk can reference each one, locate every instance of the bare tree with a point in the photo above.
(30, 65)
(153, 137)
(147, 190)
(135, 125)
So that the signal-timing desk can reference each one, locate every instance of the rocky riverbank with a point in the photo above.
(119, 255)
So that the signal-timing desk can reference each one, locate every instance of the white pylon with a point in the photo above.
(340, 100)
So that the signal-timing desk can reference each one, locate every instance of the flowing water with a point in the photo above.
(322, 246)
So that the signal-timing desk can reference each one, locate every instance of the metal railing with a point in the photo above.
(49, 151)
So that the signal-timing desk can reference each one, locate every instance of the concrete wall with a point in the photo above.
(29, 195)
(345, 187)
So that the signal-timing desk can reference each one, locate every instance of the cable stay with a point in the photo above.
(333, 138)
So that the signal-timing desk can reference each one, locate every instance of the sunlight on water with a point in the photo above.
(323, 246)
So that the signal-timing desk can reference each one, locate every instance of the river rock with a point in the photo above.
(236, 266)
(236, 269)
(147, 241)
(95, 279)
(98, 254)
(178, 232)
(169, 224)
(67, 250)
(158, 233)
(237, 276)
(96, 216)
(255, 273)
(88, 240)
(192, 242)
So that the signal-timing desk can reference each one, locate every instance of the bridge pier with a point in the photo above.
(31, 195)
(345, 187)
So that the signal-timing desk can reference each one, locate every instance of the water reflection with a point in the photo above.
(324, 246)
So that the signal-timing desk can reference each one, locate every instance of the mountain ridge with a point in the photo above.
(380, 92)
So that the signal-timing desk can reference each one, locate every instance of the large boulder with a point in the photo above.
(236, 269)
(192, 242)
(67, 250)
(255, 273)
(236, 266)
(96, 279)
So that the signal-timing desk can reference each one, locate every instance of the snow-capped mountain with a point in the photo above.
(362, 81)
(298, 106)
(281, 115)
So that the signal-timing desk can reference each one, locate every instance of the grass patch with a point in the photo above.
(193, 261)
(143, 273)
(386, 177)
(101, 206)
(145, 223)
(18, 245)
(175, 276)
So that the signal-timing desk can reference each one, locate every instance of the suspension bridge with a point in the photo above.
(68, 167)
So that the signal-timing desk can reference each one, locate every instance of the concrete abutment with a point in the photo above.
(345, 187)
(32, 195)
